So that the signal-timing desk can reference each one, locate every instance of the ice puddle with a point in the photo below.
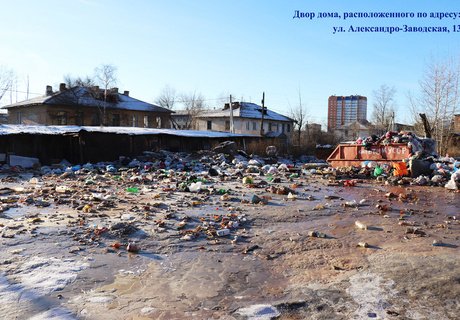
(32, 281)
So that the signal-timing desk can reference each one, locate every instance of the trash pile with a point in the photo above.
(183, 196)
(424, 166)
(418, 146)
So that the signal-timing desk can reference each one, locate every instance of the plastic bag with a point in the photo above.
(378, 171)
(400, 169)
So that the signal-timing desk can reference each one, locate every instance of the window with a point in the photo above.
(61, 118)
(158, 120)
(227, 125)
(19, 117)
(282, 127)
(134, 120)
(95, 119)
(247, 126)
(254, 125)
(146, 121)
(209, 125)
(288, 127)
(115, 120)
(270, 126)
(79, 118)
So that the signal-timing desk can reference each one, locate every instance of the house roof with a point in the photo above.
(182, 113)
(83, 96)
(362, 125)
(245, 110)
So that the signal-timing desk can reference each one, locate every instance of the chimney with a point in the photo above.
(235, 105)
(62, 87)
(49, 90)
(114, 90)
(126, 93)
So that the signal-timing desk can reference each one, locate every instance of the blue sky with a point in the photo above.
(218, 48)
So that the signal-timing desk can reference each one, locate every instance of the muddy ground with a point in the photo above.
(62, 260)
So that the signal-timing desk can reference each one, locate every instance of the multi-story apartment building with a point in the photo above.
(345, 110)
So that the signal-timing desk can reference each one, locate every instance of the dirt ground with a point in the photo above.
(62, 261)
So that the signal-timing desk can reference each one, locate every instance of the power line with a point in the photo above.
(19, 91)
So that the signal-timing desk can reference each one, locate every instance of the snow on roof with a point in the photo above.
(357, 125)
(81, 96)
(246, 110)
(10, 129)
(32, 101)
(182, 112)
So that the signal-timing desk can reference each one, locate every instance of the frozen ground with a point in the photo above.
(59, 267)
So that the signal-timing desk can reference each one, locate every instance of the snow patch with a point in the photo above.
(371, 293)
(100, 299)
(259, 312)
(147, 310)
(44, 275)
(54, 314)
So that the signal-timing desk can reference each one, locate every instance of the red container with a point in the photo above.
(353, 155)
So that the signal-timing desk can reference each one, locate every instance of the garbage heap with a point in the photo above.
(182, 194)
(423, 167)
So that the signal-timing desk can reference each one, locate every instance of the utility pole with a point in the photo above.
(27, 94)
(232, 127)
(262, 119)
(426, 125)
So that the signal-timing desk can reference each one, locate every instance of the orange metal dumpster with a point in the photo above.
(354, 155)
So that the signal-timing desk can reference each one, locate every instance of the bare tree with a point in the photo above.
(438, 99)
(299, 115)
(194, 105)
(6, 80)
(167, 98)
(72, 81)
(383, 107)
(106, 77)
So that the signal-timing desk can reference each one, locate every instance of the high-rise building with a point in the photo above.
(344, 110)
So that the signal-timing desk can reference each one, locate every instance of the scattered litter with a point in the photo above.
(316, 234)
(360, 225)
(223, 232)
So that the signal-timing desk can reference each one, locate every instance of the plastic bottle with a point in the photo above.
(223, 232)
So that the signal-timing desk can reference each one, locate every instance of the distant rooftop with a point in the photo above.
(89, 97)
(245, 110)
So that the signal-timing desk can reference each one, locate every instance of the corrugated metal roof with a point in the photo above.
(9, 129)
(81, 96)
